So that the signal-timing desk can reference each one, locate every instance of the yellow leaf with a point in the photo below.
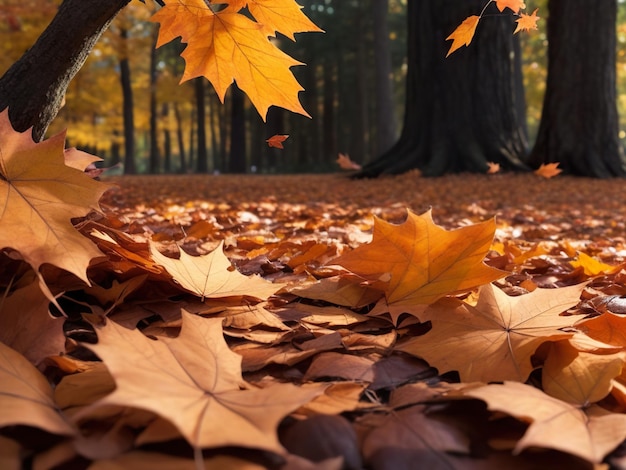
(39, 195)
(283, 16)
(210, 276)
(463, 34)
(419, 262)
(227, 46)
(515, 5)
(592, 266)
(527, 22)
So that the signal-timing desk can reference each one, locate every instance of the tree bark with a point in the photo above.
(462, 111)
(202, 163)
(579, 124)
(237, 156)
(34, 87)
(127, 110)
(154, 157)
(180, 139)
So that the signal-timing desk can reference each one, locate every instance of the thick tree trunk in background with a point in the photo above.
(202, 163)
(463, 111)
(579, 123)
(127, 112)
(237, 156)
(34, 87)
(386, 125)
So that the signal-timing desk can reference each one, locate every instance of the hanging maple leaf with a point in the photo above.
(463, 34)
(211, 276)
(548, 170)
(39, 195)
(227, 46)
(515, 5)
(494, 340)
(555, 424)
(527, 22)
(283, 16)
(418, 262)
(200, 378)
(277, 141)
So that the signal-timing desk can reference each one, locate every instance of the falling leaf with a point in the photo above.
(527, 22)
(577, 377)
(515, 5)
(548, 170)
(212, 276)
(419, 262)
(463, 34)
(284, 16)
(277, 141)
(200, 379)
(494, 340)
(39, 195)
(493, 168)
(345, 163)
(555, 424)
(226, 46)
(26, 396)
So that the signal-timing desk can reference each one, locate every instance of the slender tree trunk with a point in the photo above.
(153, 158)
(167, 138)
(386, 125)
(463, 111)
(329, 131)
(34, 87)
(180, 139)
(237, 158)
(128, 110)
(202, 163)
(579, 123)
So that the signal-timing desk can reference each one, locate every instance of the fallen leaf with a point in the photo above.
(463, 34)
(277, 141)
(26, 397)
(418, 262)
(494, 340)
(592, 266)
(608, 328)
(212, 276)
(492, 168)
(201, 378)
(40, 195)
(527, 22)
(345, 163)
(555, 424)
(548, 170)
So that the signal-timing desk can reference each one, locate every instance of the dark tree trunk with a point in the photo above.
(463, 111)
(34, 87)
(167, 139)
(328, 130)
(153, 159)
(237, 156)
(385, 115)
(180, 139)
(202, 164)
(127, 111)
(579, 123)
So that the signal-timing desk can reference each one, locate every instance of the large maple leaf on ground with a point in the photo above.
(226, 46)
(494, 340)
(39, 195)
(195, 382)
(418, 262)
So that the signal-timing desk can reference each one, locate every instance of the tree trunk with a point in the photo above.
(579, 123)
(167, 138)
(462, 111)
(385, 114)
(128, 110)
(180, 139)
(153, 158)
(237, 156)
(34, 87)
(202, 163)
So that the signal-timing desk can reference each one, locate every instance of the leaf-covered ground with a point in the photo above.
(288, 360)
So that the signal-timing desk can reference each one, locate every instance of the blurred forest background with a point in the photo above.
(181, 128)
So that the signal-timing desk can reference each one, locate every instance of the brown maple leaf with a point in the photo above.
(418, 262)
(554, 424)
(463, 34)
(494, 340)
(527, 22)
(277, 141)
(39, 195)
(194, 381)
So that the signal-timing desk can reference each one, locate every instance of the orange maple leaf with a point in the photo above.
(493, 168)
(548, 170)
(345, 162)
(494, 340)
(515, 5)
(418, 262)
(463, 34)
(41, 189)
(227, 46)
(283, 16)
(277, 141)
(527, 22)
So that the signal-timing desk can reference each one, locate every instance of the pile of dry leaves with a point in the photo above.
(318, 322)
